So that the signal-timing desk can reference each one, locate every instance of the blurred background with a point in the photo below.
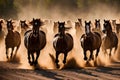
(59, 8)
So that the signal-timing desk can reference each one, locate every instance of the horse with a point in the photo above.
(116, 26)
(97, 27)
(109, 41)
(2, 33)
(63, 42)
(78, 28)
(12, 40)
(24, 26)
(34, 41)
(90, 41)
(80, 22)
(55, 27)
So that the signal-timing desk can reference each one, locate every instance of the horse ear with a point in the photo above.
(64, 22)
(85, 22)
(95, 19)
(89, 22)
(33, 19)
(58, 22)
(104, 20)
(99, 20)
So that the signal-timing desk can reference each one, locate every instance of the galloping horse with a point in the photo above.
(110, 41)
(97, 27)
(35, 41)
(63, 42)
(12, 40)
(24, 26)
(90, 41)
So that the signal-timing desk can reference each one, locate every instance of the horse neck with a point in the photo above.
(62, 34)
(109, 33)
(10, 32)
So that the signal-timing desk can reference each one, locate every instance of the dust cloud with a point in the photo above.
(47, 55)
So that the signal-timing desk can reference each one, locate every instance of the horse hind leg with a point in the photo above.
(32, 59)
(65, 56)
(36, 61)
(110, 52)
(91, 55)
(97, 52)
(7, 53)
(12, 53)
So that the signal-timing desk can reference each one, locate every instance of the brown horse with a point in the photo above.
(110, 41)
(116, 26)
(97, 27)
(78, 29)
(90, 41)
(24, 26)
(63, 42)
(12, 39)
(55, 27)
(35, 41)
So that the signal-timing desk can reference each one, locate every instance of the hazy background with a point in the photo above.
(57, 9)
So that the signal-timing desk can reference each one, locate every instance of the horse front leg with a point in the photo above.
(110, 52)
(7, 53)
(65, 56)
(29, 57)
(97, 52)
(91, 55)
(37, 56)
(12, 53)
(56, 60)
(85, 56)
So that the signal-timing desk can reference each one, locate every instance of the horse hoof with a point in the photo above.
(64, 61)
(57, 65)
(85, 58)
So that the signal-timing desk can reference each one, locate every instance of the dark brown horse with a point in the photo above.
(63, 42)
(116, 26)
(35, 41)
(110, 41)
(90, 41)
(12, 39)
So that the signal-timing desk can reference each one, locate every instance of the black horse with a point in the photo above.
(35, 41)
(63, 42)
(12, 40)
(90, 41)
(110, 41)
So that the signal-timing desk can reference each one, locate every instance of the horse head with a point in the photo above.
(36, 25)
(87, 27)
(10, 25)
(22, 23)
(107, 26)
(97, 24)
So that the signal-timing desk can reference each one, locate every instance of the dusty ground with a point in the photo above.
(11, 71)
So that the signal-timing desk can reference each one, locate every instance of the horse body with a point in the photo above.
(34, 41)
(90, 41)
(2, 33)
(62, 43)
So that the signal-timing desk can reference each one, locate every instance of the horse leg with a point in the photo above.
(12, 53)
(29, 57)
(56, 61)
(65, 56)
(36, 61)
(115, 49)
(32, 59)
(16, 50)
(110, 51)
(7, 53)
(91, 55)
(97, 52)
(85, 57)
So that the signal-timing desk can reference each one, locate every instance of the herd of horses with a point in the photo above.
(91, 36)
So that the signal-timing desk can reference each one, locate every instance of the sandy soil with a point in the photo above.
(11, 71)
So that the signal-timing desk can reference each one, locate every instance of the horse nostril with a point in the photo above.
(103, 31)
